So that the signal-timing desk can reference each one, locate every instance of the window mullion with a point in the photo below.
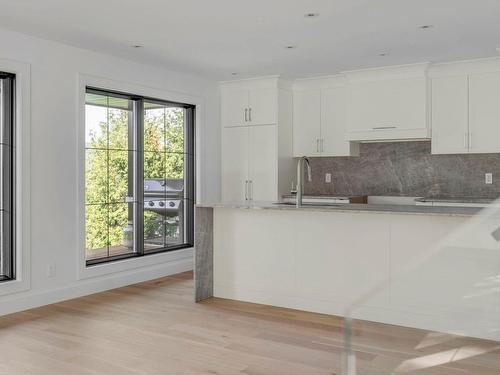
(138, 169)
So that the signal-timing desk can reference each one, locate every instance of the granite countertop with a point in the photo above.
(326, 197)
(351, 207)
(481, 200)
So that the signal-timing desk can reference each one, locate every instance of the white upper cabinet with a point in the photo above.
(484, 112)
(306, 122)
(234, 107)
(389, 103)
(249, 106)
(334, 123)
(263, 106)
(450, 115)
(320, 118)
(466, 107)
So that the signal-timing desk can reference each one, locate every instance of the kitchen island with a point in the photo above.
(427, 267)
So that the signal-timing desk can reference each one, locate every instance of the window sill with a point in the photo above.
(136, 262)
(12, 286)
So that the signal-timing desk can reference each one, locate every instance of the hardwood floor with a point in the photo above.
(155, 328)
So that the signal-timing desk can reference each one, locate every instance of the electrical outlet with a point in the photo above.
(51, 270)
(488, 178)
(328, 178)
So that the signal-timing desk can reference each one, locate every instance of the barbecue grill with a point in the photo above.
(164, 197)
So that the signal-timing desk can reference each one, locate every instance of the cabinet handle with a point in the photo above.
(246, 114)
(246, 190)
(384, 127)
(322, 144)
(250, 114)
(251, 189)
(470, 141)
(317, 145)
(465, 139)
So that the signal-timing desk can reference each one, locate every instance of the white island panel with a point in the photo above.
(433, 272)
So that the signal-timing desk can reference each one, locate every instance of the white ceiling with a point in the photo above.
(218, 37)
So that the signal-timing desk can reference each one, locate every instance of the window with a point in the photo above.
(139, 176)
(7, 206)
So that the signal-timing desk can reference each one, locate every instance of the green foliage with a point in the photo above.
(107, 159)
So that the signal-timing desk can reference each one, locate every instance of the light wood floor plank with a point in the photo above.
(155, 328)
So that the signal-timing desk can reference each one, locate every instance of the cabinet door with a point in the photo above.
(366, 107)
(407, 103)
(306, 122)
(234, 102)
(450, 115)
(334, 122)
(263, 105)
(484, 112)
(388, 109)
(262, 163)
(234, 163)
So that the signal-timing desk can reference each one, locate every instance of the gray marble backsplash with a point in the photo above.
(405, 169)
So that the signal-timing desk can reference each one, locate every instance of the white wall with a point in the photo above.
(55, 221)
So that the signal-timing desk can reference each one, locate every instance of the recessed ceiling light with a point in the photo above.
(311, 15)
(136, 46)
(290, 47)
(426, 27)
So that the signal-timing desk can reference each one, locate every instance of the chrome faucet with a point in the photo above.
(300, 178)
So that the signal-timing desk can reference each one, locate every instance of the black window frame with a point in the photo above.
(136, 125)
(7, 177)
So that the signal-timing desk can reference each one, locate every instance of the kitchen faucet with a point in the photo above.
(300, 178)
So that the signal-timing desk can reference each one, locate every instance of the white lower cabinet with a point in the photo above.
(262, 163)
(249, 163)
(234, 163)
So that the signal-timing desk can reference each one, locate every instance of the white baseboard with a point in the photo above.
(25, 301)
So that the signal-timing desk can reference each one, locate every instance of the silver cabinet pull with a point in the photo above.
(322, 144)
(317, 145)
(250, 183)
(250, 114)
(383, 127)
(470, 141)
(246, 190)
(246, 114)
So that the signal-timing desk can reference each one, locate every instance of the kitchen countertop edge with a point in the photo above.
(351, 207)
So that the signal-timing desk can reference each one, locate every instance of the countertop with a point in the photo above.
(351, 207)
(456, 200)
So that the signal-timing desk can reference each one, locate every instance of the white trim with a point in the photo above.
(23, 144)
(91, 286)
(84, 80)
